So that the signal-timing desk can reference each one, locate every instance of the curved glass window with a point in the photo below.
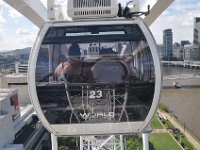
(95, 74)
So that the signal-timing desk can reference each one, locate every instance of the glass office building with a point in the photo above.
(167, 44)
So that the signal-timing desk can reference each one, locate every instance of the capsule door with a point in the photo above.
(95, 78)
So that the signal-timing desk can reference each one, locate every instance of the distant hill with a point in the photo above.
(23, 51)
(18, 51)
(21, 55)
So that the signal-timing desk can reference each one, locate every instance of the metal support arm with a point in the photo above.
(157, 7)
(33, 10)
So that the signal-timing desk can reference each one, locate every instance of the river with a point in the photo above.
(184, 102)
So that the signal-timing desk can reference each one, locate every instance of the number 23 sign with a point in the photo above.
(95, 94)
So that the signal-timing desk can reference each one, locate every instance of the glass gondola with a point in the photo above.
(95, 77)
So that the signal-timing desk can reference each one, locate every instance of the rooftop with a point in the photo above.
(4, 93)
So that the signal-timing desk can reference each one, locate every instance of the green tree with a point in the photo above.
(70, 142)
(63, 148)
(133, 142)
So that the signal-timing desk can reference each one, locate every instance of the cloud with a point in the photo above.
(181, 6)
(27, 40)
(2, 30)
(23, 31)
(1, 4)
(2, 19)
(23, 37)
(180, 18)
(13, 13)
(12, 42)
(2, 34)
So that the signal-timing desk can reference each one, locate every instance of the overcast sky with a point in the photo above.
(18, 32)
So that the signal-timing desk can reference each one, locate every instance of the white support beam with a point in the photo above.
(54, 12)
(51, 9)
(54, 142)
(33, 10)
(156, 9)
(145, 141)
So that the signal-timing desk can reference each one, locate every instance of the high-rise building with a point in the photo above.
(167, 44)
(196, 37)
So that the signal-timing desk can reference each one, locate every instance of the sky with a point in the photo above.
(18, 32)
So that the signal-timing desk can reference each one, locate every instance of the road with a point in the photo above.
(195, 143)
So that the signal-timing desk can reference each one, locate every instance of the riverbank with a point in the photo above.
(181, 129)
(160, 138)
(183, 102)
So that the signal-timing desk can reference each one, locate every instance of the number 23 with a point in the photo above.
(95, 94)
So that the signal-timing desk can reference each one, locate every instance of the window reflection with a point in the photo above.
(106, 77)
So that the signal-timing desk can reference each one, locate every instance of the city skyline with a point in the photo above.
(15, 29)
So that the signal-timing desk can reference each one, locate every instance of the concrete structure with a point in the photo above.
(185, 63)
(167, 44)
(19, 82)
(185, 51)
(6, 126)
(21, 68)
(20, 128)
(178, 53)
(196, 37)
(191, 52)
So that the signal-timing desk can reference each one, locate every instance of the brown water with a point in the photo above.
(185, 101)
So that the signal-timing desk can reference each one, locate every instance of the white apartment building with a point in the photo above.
(178, 53)
(191, 52)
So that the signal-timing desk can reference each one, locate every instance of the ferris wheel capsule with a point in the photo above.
(95, 76)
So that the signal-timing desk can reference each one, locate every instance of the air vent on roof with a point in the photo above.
(92, 8)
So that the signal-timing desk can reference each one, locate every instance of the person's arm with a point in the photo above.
(57, 71)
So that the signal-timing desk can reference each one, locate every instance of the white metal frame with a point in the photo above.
(95, 129)
(157, 7)
(54, 142)
(145, 141)
(36, 14)
(33, 10)
(105, 142)
(111, 142)
(87, 9)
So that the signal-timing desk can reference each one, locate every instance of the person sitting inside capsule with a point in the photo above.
(73, 70)
(109, 70)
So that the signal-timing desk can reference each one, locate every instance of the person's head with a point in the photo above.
(74, 52)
